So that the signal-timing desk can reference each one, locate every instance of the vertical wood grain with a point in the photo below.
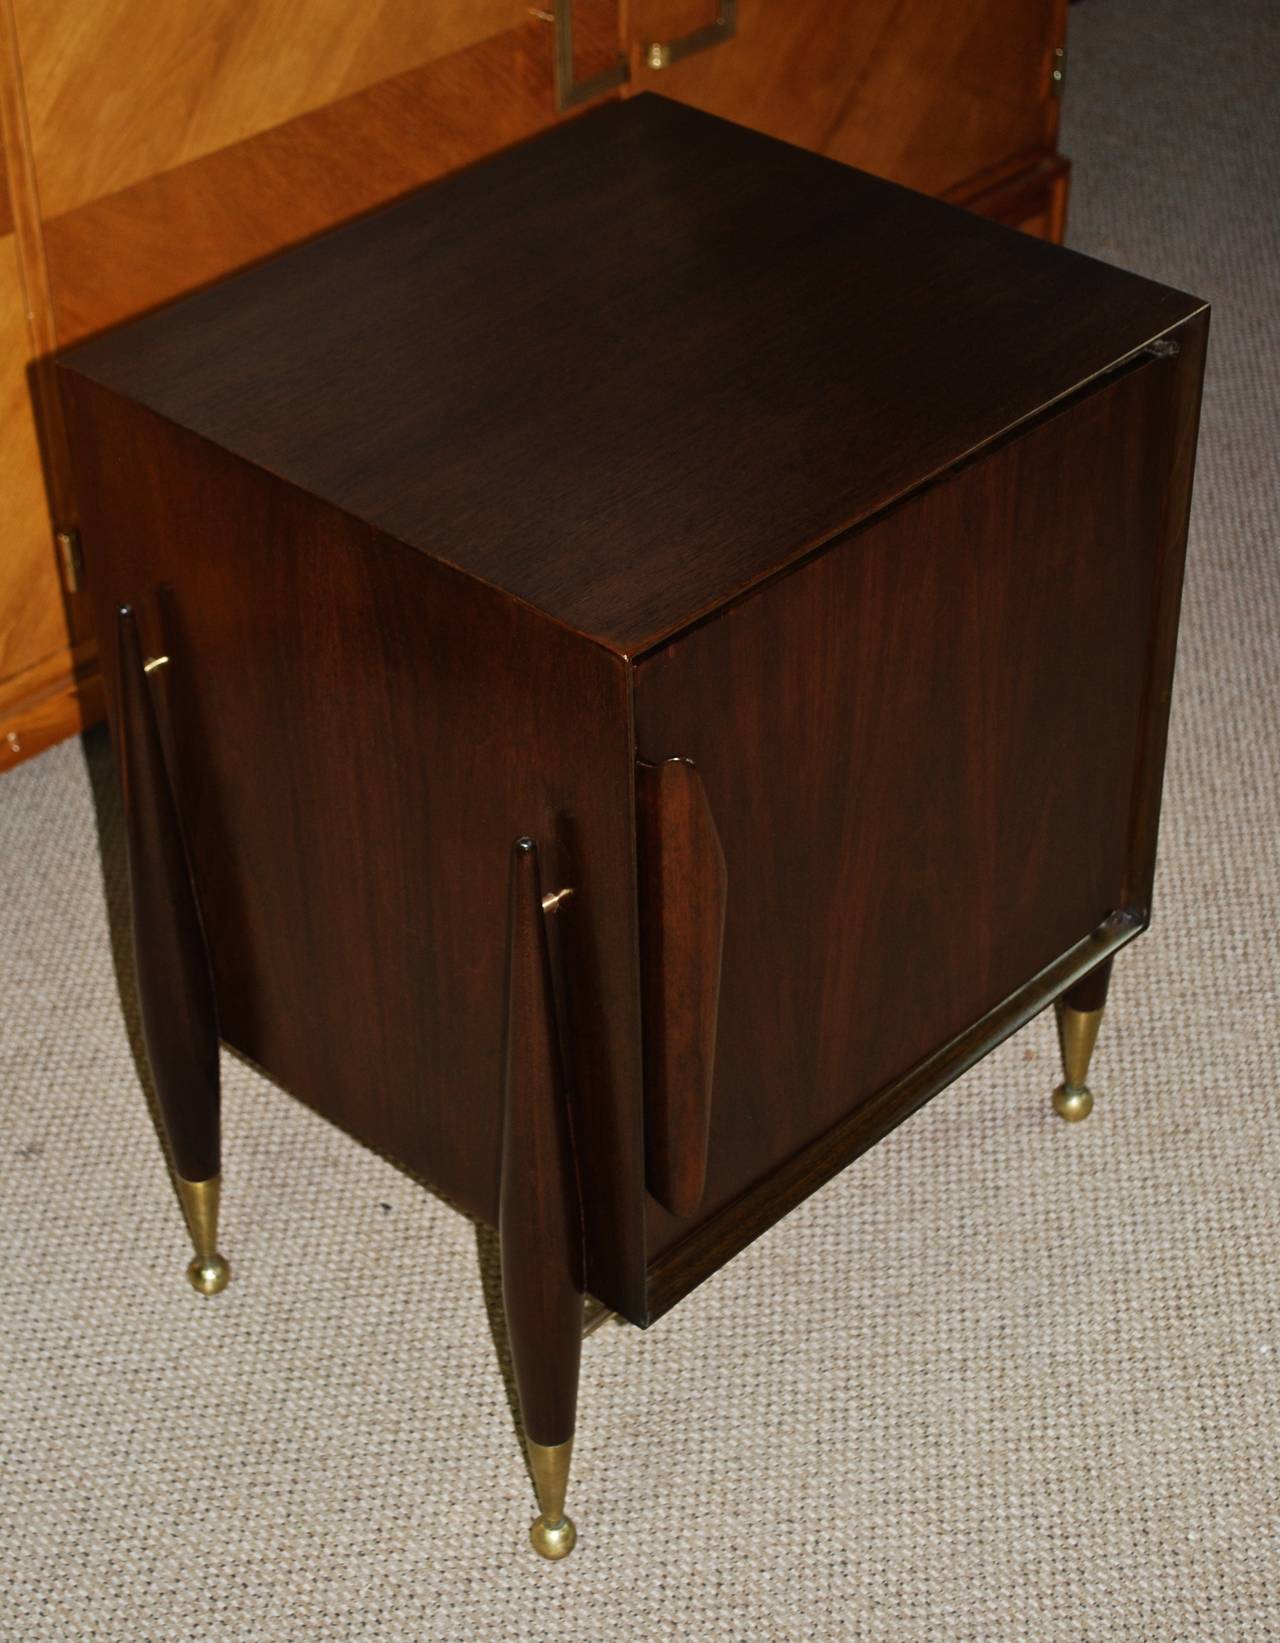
(919, 750)
(40, 620)
(539, 1216)
(1182, 375)
(27, 211)
(683, 891)
(175, 985)
(32, 620)
(358, 736)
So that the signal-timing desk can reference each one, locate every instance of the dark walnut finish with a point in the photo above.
(788, 562)
(175, 984)
(539, 1214)
(684, 885)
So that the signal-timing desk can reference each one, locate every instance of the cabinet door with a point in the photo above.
(928, 93)
(922, 798)
(173, 143)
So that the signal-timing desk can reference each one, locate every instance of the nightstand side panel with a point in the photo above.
(357, 736)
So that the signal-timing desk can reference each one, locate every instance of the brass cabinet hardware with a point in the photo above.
(1058, 70)
(71, 558)
(208, 1273)
(661, 54)
(571, 92)
(1078, 1033)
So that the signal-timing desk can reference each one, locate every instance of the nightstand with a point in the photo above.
(631, 669)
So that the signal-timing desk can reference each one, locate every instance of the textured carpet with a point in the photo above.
(1004, 1379)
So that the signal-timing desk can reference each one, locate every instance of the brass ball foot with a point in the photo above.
(1073, 1102)
(553, 1540)
(209, 1274)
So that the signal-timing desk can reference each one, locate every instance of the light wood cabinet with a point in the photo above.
(944, 98)
(151, 149)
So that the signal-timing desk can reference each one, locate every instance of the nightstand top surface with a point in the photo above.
(635, 366)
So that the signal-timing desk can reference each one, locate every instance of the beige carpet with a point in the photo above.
(1003, 1380)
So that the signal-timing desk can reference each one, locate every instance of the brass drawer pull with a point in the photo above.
(571, 92)
(661, 54)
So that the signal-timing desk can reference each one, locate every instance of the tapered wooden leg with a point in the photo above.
(175, 984)
(1079, 1016)
(539, 1218)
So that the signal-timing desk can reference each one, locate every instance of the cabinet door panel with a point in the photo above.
(119, 91)
(927, 93)
(968, 772)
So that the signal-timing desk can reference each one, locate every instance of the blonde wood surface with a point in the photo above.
(1035, 200)
(58, 697)
(32, 619)
(41, 696)
(35, 339)
(925, 92)
(118, 90)
(185, 227)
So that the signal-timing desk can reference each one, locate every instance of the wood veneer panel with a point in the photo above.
(119, 92)
(1184, 379)
(1034, 200)
(358, 736)
(6, 207)
(184, 228)
(39, 618)
(719, 1238)
(33, 621)
(926, 94)
(539, 1217)
(762, 427)
(12, 118)
(171, 961)
(682, 890)
(958, 693)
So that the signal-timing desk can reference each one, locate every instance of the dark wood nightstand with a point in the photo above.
(635, 667)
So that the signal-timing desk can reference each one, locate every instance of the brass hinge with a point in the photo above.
(71, 558)
(1058, 73)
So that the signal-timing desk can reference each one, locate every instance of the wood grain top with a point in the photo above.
(630, 368)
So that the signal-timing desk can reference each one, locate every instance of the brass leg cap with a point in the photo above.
(209, 1274)
(553, 1540)
(1073, 1102)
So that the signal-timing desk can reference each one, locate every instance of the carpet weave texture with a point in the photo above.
(1004, 1379)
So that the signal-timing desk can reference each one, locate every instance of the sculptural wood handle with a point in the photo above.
(539, 1218)
(683, 895)
(175, 984)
